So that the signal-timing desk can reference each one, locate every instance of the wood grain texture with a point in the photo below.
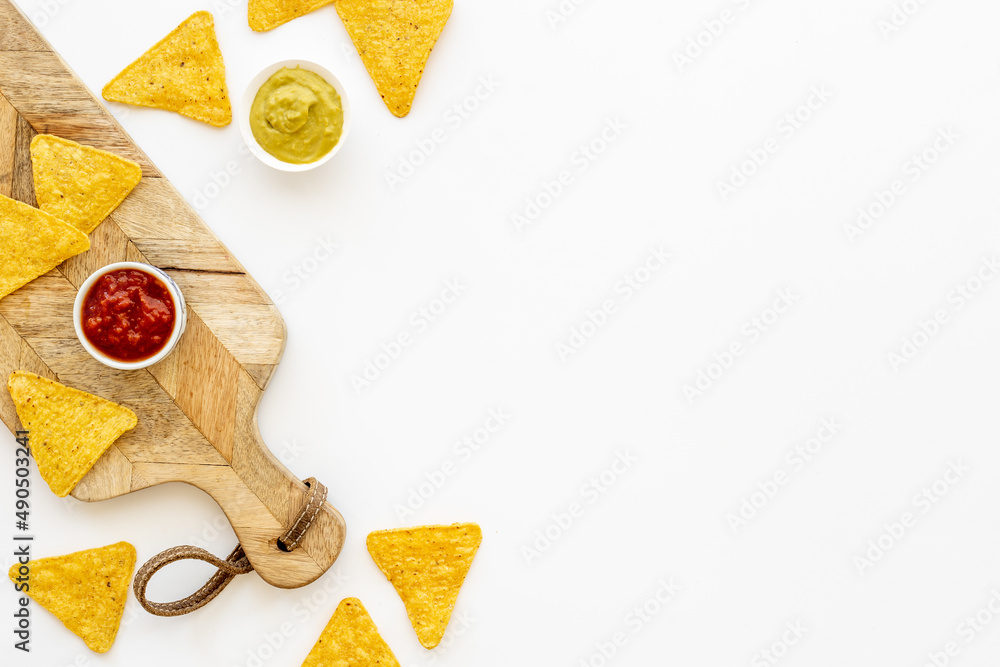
(22, 185)
(8, 135)
(198, 408)
(10, 359)
(54, 101)
(16, 32)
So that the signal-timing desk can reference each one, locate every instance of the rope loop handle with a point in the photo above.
(235, 564)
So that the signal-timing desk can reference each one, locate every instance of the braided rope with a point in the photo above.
(235, 564)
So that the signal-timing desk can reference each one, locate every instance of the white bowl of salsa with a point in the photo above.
(129, 315)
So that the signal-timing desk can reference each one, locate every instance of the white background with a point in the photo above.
(656, 185)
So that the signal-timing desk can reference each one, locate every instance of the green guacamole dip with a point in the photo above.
(297, 116)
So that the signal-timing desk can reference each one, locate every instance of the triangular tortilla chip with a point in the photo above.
(427, 566)
(183, 72)
(350, 639)
(85, 590)
(79, 184)
(32, 243)
(394, 39)
(68, 429)
(266, 15)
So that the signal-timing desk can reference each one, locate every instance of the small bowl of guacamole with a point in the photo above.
(295, 115)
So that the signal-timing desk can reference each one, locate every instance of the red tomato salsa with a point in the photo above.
(128, 315)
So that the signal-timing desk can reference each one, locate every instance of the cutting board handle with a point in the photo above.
(261, 518)
(262, 500)
(235, 564)
(259, 531)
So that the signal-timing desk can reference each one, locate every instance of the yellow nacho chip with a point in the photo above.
(79, 184)
(427, 566)
(266, 15)
(394, 39)
(68, 429)
(350, 639)
(183, 72)
(32, 243)
(86, 590)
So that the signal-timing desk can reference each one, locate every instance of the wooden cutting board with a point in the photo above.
(198, 408)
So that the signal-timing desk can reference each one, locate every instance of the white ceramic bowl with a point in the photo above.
(251, 93)
(180, 316)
